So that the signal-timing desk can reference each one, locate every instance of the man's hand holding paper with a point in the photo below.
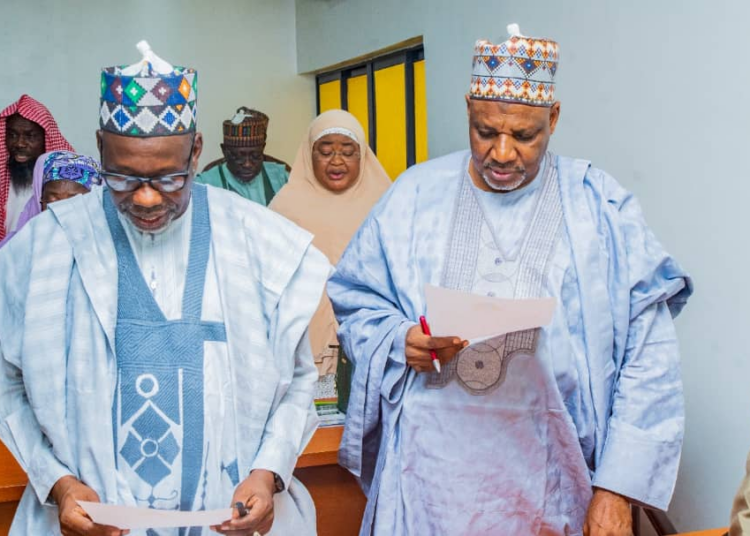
(476, 318)
(418, 346)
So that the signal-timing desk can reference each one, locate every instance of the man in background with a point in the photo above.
(27, 130)
(245, 169)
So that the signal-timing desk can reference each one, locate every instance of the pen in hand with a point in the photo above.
(433, 354)
(241, 508)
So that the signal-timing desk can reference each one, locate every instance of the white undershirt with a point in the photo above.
(163, 259)
(17, 199)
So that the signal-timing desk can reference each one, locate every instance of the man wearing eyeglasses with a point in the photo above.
(245, 169)
(153, 335)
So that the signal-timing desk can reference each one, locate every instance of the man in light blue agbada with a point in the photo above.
(550, 431)
(153, 335)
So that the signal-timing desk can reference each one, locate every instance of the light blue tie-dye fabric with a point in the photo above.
(615, 297)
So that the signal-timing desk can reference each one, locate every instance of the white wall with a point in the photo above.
(244, 51)
(654, 92)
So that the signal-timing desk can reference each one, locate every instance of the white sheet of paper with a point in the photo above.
(474, 318)
(128, 517)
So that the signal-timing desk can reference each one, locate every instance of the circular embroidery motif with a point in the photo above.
(480, 366)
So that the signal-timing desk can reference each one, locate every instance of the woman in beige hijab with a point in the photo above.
(335, 180)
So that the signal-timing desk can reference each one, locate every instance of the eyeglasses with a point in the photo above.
(130, 183)
(167, 184)
(328, 156)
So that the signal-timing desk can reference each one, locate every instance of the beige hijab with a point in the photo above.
(333, 217)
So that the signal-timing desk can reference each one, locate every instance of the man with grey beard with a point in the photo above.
(554, 430)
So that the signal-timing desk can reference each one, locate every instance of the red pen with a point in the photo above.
(426, 331)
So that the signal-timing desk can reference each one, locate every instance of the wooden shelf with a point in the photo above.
(339, 501)
(323, 448)
(12, 478)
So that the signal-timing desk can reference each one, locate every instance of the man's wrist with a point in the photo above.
(61, 487)
(274, 481)
(610, 494)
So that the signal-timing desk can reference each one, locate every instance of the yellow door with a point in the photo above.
(390, 119)
(330, 96)
(420, 112)
(356, 97)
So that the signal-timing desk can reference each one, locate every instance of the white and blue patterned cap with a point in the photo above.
(149, 98)
(520, 70)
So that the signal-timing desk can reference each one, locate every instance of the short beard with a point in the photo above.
(505, 187)
(21, 173)
(126, 208)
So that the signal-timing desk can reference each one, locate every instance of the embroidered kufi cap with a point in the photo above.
(520, 70)
(248, 128)
(149, 98)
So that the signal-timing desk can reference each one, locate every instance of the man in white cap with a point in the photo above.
(551, 431)
(153, 335)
